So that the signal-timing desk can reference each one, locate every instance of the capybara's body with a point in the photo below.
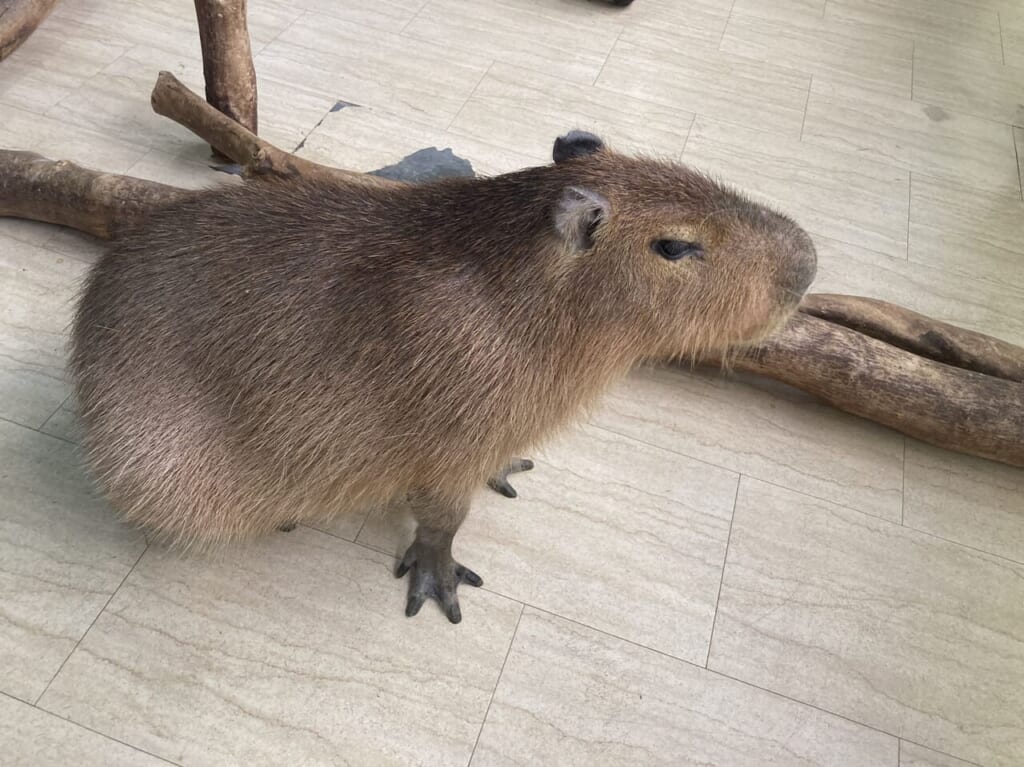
(279, 351)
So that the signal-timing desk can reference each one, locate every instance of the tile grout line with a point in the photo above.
(302, 14)
(738, 680)
(89, 729)
(903, 488)
(469, 96)
(103, 735)
(1002, 44)
(51, 415)
(807, 103)
(607, 58)
(913, 55)
(899, 752)
(38, 431)
(93, 623)
(1016, 154)
(689, 132)
(497, 682)
(725, 27)
(725, 561)
(910, 184)
(734, 471)
(415, 16)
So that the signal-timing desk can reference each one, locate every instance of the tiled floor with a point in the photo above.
(711, 572)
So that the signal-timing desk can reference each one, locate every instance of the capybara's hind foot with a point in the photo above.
(434, 573)
(287, 527)
(499, 482)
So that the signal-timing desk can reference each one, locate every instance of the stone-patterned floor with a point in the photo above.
(710, 572)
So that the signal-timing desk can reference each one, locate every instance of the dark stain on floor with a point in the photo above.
(427, 164)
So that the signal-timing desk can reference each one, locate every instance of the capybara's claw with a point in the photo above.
(499, 482)
(434, 575)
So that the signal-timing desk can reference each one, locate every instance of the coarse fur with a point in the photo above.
(256, 355)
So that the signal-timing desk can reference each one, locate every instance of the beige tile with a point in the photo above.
(828, 192)
(38, 291)
(63, 553)
(964, 499)
(968, 82)
(365, 139)
(606, 531)
(772, 432)
(788, 9)
(324, 55)
(876, 622)
(58, 139)
(830, 49)
(525, 110)
(966, 232)
(699, 22)
(75, 244)
(918, 137)
(572, 696)
(912, 755)
(184, 172)
(518, 36)
(983, 305)
(170, 25)
(35, 738)
(294, 650)
(386, 15)
(949, 22)
(652, 65)
(58, 57)
(115, 102)
(31, 232)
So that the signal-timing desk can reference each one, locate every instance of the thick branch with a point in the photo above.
(943, 405)
(258, 158)
(60, 192)
(919, 334)
(227, 59)
(18, 20)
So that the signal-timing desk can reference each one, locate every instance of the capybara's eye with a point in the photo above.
(674, 250)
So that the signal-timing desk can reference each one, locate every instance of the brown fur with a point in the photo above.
(282, 351)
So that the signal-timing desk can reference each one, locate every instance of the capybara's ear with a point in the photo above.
(580, 212)
(576, 143)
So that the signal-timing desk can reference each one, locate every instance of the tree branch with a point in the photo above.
(919, 334)
(227, 59)
(60, 192)
(940, 404)
(18, 20)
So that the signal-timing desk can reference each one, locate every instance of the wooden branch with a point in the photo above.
(60, 192)
(947, 406)
(18, 20)
(227, 59)
(919, 334)
(257, 158)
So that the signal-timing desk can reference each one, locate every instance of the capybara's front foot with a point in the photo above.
(434, 573)
(499, 482)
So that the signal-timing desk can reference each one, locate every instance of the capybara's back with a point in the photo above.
(259, 355)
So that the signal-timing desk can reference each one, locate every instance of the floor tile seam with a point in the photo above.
(497, 682)
(725, 562)
(100, 612)
(38, 431)
(87, 728)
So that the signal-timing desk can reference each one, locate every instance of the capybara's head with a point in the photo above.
(698, 267)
